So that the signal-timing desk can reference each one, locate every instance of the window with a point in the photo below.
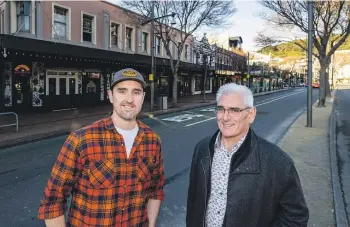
(197, 58)
(159, 41)
(186, 52)
(60, 22)
(128, 37)
(87, 28)
(144, 41)
(114, 34)
(23, 16)
(207, 84)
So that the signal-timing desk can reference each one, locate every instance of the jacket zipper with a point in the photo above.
(205, 197)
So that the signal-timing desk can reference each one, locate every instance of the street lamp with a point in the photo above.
(151, 20)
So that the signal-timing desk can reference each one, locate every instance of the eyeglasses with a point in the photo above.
(234, 111)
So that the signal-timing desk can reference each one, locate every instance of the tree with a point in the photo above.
(206, 52)
(331, 23)
(190, 16)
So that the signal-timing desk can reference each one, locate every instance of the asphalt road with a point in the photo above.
(342, 110)
(24, 170)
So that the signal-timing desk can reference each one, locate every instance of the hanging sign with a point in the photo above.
(22, 69)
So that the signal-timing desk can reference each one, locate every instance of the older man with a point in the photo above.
(240, 179)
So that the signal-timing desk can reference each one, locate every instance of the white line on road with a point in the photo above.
(263, 103)
(198, 122)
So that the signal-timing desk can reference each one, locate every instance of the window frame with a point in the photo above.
(68, 22)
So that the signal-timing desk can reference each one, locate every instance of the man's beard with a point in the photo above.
(127, 115)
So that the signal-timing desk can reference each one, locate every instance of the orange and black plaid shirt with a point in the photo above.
(107, 187)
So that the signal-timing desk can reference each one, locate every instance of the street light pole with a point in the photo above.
(309, 65)
(152, 56)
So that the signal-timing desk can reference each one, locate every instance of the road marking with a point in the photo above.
(198, 122)
(263, 103)
(182, 117)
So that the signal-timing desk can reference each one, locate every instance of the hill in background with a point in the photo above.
(290, 49)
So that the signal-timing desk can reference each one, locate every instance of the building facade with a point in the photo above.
(60, 54)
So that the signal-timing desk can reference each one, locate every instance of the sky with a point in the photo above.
(244, 23)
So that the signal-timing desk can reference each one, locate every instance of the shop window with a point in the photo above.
(207, 84)
(52, 86)
(63, 86)
(91, 87)
(198, 83)
(91, 82)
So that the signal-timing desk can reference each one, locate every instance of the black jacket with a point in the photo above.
(263, 189)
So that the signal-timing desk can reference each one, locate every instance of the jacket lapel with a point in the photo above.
(247, 159)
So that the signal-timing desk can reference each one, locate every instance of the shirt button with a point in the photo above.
(124, 186)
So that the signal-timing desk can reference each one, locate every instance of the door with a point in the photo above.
(21, 93)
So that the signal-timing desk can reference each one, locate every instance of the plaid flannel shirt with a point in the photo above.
(107, 188)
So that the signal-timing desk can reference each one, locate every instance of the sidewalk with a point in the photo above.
(39, 126)
(310, 150)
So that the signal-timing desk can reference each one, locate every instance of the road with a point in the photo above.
(24, 170)
(342, 110)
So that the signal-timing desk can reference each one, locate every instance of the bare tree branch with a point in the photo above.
(330, 18)
(190, 16)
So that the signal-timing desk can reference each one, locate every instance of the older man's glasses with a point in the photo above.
(233, 111)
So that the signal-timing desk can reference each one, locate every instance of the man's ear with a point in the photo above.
(252, 115)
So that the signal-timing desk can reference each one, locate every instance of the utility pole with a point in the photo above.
(309, 65)
(152, 56)
(248, 70)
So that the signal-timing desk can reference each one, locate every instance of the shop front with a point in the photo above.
(184, 84)
(73, 88)
(22, 86)
(198, 83)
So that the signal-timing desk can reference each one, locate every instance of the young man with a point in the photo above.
(113, 169)
(239, 179)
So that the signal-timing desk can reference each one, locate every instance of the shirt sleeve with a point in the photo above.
(64, 173)
(158, 175)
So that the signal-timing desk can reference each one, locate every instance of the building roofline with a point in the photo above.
(138, 14)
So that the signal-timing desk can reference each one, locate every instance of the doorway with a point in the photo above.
(21, 92)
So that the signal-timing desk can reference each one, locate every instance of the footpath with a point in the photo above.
(314, 151)
(39, 126)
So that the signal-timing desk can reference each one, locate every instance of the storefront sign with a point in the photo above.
(224, 72)
(150, 77)
(22, 69)
(95, 75)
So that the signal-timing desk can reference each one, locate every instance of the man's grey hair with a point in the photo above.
(232, 88)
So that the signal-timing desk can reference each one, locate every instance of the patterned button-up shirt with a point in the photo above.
(108, 189)
(219, 180)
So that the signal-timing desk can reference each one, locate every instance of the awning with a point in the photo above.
(63, 49)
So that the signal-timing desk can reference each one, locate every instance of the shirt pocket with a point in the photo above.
(102, 173)
(146, 168)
